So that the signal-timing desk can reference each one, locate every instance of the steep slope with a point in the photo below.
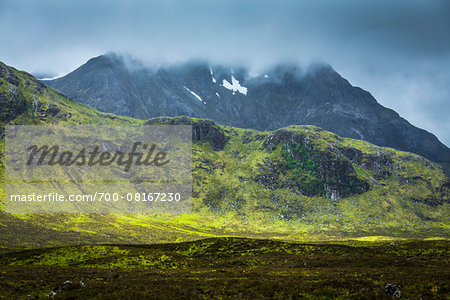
(282, 96)
(294, 183)
(300, 170)
(25, 100)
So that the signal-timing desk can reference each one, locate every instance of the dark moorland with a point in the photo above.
(231, 268)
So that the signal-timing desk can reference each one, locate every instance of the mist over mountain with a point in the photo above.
(280, 96)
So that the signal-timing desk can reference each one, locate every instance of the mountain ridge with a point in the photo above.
(284, 95)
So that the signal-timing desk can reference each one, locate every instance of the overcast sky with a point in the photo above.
(397, 50)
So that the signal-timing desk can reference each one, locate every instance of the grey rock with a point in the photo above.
(392, 290)
(202, 130)
(66, 286)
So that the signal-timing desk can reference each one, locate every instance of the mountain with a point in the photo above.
(297, 182)
(281, 96)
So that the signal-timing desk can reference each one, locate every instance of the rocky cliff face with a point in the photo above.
(204, 131)
(282, 96)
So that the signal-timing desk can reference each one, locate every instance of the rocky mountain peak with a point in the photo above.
(283, 95)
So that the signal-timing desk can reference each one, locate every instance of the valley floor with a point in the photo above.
(231, 268)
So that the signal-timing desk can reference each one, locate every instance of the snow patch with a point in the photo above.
(54, 77)
(212, 75)
(361, 136)
(194, 94)
(234, 86)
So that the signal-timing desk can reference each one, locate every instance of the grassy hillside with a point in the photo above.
(296, 183)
